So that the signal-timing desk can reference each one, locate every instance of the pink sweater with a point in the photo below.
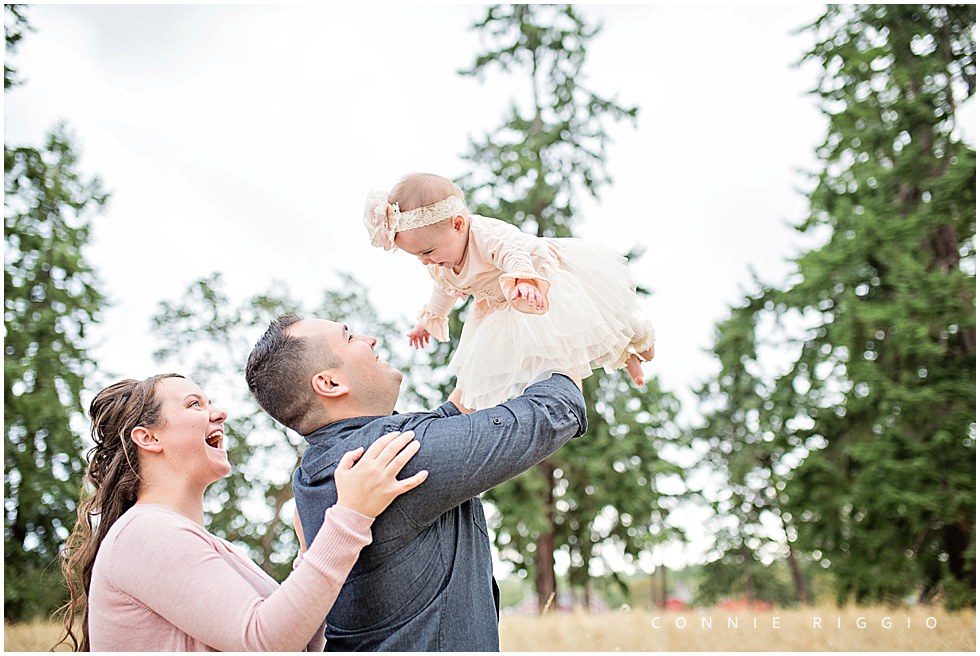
(162, 583)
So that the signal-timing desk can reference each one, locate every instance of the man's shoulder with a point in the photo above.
(326, 446)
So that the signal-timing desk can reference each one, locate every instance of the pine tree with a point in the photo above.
(51, 298)
(895, 293)
(879, 399)
(748, 452)
(599, 490)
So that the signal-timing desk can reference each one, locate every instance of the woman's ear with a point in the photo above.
(144, 439)
(329, 385)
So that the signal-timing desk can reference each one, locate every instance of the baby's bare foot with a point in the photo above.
(634, 370)
(647, 354)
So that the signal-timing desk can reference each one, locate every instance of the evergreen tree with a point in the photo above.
(601, 489)
(15, 24)
(879, 399)
(889, 368)
(748, 452)
(51, 298)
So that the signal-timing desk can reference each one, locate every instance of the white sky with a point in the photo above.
(243, 139)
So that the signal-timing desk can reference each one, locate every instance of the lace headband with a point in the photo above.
(384, 220)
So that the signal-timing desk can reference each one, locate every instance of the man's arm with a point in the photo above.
(468, 454)
(456, 397)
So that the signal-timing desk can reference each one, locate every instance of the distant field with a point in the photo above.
(812, 629)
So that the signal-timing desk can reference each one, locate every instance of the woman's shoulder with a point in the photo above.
(149, 522)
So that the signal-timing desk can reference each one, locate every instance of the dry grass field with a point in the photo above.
(812, 629)
(822, 629)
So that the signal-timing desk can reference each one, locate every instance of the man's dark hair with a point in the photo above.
(278, 373)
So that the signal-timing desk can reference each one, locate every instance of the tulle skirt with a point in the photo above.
(593, 321)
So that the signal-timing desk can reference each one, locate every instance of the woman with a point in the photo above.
(148, 573)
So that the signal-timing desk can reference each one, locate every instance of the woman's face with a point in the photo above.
(191, 431)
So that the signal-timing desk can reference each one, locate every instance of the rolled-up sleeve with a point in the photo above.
(467, 455)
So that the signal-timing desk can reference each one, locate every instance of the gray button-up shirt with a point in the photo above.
(425, 583)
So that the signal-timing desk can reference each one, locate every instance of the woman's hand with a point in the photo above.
(418, 336)
(371, 485)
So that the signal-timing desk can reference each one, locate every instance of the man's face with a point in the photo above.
(372, 382)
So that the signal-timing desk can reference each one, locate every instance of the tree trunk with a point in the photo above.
(544, 580)
(749, 581)
(798, 582)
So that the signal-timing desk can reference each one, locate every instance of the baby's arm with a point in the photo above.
(433, 318)
(508, 249)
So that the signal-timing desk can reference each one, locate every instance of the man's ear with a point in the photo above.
(327, 383)
(144, 439)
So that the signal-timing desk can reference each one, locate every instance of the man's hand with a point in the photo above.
(456, 399)
(299, 529)
(418, 336)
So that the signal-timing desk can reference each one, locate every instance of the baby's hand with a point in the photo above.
(418, 336)
(530, 294)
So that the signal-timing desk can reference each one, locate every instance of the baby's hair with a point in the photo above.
(420, 189)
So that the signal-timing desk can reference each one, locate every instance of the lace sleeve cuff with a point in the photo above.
(436, 324)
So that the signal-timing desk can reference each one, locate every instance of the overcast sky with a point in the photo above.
(244, 138)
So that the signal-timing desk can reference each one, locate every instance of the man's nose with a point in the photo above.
(367, 338)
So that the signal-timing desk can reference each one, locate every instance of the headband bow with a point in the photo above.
(383, 219)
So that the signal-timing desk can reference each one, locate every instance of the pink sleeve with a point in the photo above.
(506, 248)
(433, 316)
(175, 570)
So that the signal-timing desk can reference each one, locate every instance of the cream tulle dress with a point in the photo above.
(591, 318)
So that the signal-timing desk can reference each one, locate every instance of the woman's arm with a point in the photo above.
(199, 584)
(205, 589)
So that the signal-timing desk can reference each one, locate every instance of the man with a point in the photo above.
(425, 583)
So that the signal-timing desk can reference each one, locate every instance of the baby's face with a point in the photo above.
(440, 244)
